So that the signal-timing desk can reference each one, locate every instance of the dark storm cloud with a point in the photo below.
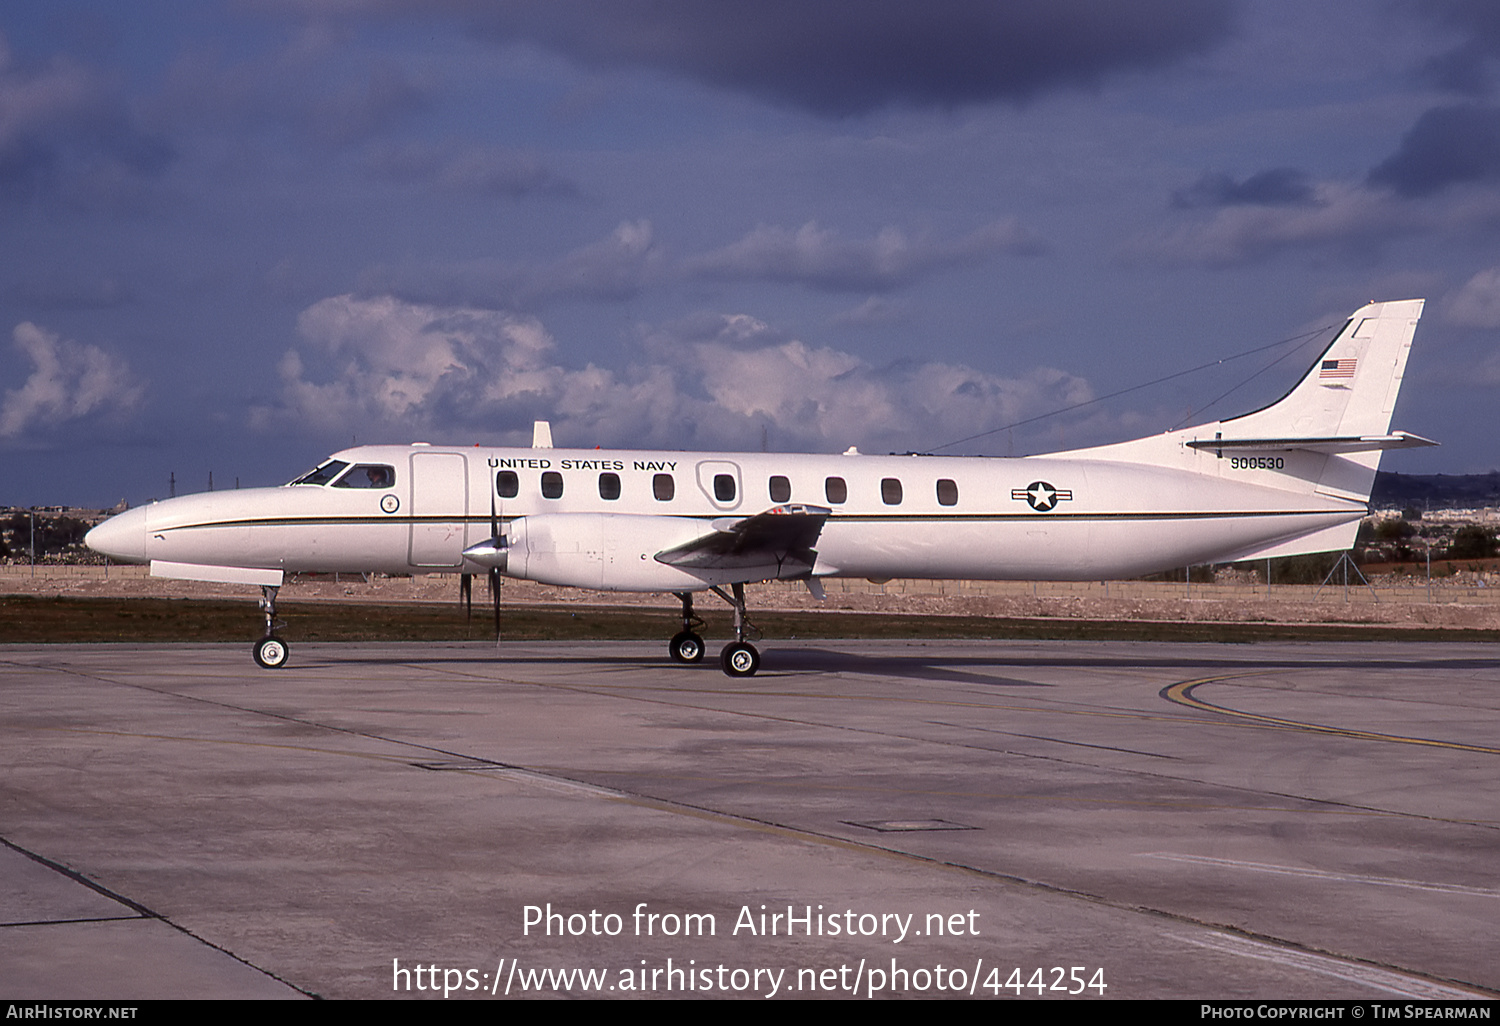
(1468, 67)
(476, 171)
(366, 105)
(302, 85)
(1282, 186)
(837, 59)
(1447, 146)
(630, 260)
(61, 123)
(1348, 221)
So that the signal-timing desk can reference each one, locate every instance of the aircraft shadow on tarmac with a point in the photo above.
(779, 662)
(943, 664)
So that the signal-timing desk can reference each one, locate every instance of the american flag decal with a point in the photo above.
(1336, 369)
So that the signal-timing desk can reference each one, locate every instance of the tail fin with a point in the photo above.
(1332, 426)
(1351, 389)
(1342, 407)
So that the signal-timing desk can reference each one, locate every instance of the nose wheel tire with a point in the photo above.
(271, 653)
(686, 647)
(739, 659)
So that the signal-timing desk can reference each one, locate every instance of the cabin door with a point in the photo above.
(439, 506)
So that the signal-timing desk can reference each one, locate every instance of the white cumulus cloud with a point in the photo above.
(68, 382)
(822, 258)
(382, 367)
(1477, 304)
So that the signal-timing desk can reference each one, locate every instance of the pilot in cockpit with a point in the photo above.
(368, 475)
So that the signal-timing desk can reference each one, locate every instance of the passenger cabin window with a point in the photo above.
(551, 484)
(368, 475)
(890, 491)
(322, 475)
(724, 487)
(836, 489)
(508, 484)
(663, 487)
(947, 492)
(781, 489)
(609, 485)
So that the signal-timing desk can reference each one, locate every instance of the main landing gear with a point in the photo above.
(271, 652)
(739, 658)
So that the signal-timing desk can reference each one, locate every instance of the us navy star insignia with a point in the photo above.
(1041, 496)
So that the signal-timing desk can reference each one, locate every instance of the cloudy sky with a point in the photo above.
(240, 234)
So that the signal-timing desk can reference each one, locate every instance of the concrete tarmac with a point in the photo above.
(875, 818)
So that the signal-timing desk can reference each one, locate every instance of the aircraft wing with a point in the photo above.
(776, 543)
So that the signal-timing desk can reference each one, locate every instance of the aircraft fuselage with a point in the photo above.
(598, 519)
(1292, 477)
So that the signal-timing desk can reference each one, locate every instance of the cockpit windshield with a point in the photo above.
(368, 475)
(324, 473)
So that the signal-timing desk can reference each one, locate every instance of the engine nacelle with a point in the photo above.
(604, 551)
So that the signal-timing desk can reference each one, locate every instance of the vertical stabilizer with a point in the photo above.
(1349, 393)
(1325, 436)
(1351, 389)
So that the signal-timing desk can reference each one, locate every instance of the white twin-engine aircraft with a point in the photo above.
(1291, 478)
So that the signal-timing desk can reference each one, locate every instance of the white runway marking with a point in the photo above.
(1352, 972)
(1319, 874)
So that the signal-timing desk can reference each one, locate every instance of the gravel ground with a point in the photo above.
(1461, 601)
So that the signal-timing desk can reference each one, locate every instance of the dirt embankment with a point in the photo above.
(1463, 601)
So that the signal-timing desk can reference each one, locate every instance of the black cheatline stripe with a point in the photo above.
(935, 518)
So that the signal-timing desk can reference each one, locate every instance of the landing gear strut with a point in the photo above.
(270, 651)
(686, 646)
(739, 658)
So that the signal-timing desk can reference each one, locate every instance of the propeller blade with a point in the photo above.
(494, 571)
(494, 579)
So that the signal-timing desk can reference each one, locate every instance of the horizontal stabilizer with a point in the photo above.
(1337, 444)
(781, 538)
(216, 574)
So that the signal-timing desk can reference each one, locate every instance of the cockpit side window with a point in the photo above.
(368, 475)
(323, 474)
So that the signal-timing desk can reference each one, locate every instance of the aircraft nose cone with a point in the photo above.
(121, 537)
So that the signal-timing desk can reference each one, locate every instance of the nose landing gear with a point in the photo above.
(270, 652)
(686, 646)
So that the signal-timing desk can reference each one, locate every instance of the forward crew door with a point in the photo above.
(438, 505)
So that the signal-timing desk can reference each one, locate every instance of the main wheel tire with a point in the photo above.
(271, 653)
(739, 659)
(686, 647)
